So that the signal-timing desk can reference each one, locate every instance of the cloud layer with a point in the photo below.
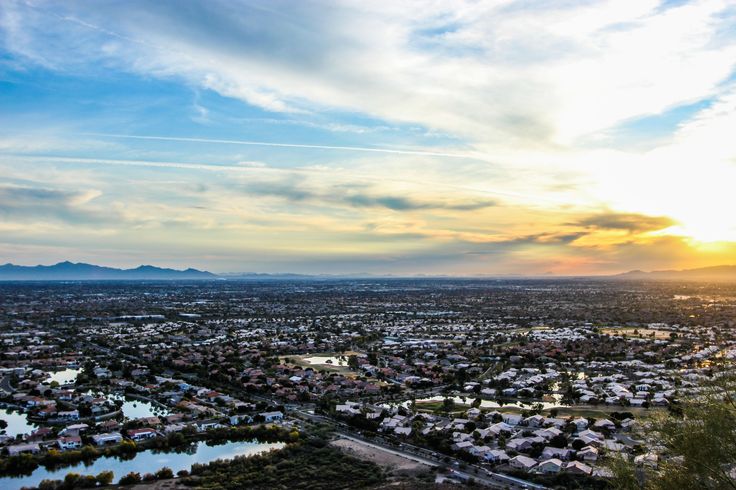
(441, 137)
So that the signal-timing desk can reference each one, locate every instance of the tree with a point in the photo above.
(164, 473)
(698, 443)
(353, 362)
(448, 405)
(105, 478)
(71, 480)
(130, 479)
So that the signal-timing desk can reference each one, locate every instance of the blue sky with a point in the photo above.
(338, 137)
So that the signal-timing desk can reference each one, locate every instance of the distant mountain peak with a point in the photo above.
(70, 271)
(718, 273)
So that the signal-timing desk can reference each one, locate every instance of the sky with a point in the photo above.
(421, 137)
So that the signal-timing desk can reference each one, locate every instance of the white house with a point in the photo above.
(588, 453)
(108, 438)
(522, 463)
(142, 434)
(272, 416)
(552, 465)
(70, 442)
(578, 468)
(496, 456)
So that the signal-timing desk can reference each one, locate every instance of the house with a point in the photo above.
(68, 415)
(519, 444)
(102, 373)
(271, 416)
(32, 448)
(240, 419)
(40, 434)
(462, 446)
(211, 424)
(69, 442)
(580, 423)
(604, 424)
(522, 463)
(107, 438)
(496, 456)
(588, 453)
(169, 428)
(553, 452)
(534, 421)
(110, 425)
(74, 429)
(591, 434)
(578, 468)
(499, 428)
(149, 421)
(479, 450)
(142, 434)
(473, 413)
(550, 466)
(402, 431)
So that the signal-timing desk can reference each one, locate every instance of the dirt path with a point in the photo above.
(397, 464)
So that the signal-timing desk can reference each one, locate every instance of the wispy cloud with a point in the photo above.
(500, 117)
(292, 145)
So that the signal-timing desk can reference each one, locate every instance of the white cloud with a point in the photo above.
(488, 71)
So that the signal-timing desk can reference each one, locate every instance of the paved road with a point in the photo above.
(5, 385)
(483, 476)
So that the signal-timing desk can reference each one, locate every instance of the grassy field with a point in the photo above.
(301, 360)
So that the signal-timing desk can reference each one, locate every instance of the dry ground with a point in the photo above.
(396, 464)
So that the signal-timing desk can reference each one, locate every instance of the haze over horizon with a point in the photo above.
(456, 138)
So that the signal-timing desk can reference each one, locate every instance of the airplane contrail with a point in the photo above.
(287, 145)
(247, 169)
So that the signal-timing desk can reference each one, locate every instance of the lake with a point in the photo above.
(144, 462)
(64, 377)
(17, 422)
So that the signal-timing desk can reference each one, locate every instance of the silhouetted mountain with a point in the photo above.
(719, 273)
(68, 271)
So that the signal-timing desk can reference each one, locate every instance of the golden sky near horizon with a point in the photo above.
(428, 137)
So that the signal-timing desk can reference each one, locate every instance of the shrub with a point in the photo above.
(130, 479)
(105, 478)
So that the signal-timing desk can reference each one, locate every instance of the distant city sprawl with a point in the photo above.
(506, 383)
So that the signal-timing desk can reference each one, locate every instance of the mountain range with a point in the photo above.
(719, 273)
(68, 271)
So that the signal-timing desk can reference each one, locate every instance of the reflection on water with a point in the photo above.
(546, 405)
(17, 422)
(147, 461)
(64, 377)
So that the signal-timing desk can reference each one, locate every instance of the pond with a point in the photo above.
(145, 462)
(17, 422)
(64, 377)
(135, 409)
(491, 403)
